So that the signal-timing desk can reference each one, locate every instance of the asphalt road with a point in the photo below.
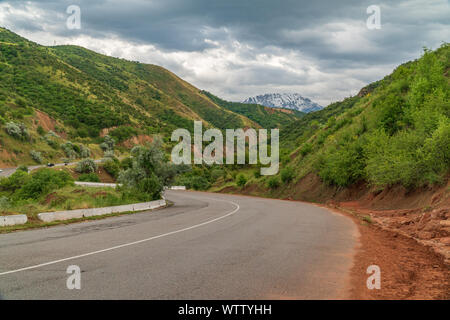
(206, 246)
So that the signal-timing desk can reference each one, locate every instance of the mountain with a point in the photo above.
(292, 101)
(80, 94)
(265, 116)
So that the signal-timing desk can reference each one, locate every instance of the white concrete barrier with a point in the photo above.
(83, 213)
(95, 184)
(13, 220)
(178, 188)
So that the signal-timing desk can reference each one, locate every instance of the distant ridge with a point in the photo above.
(292, 101)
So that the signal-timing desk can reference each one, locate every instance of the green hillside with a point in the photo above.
(85, 93)
(395, 131)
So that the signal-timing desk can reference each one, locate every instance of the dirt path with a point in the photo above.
(409, 270)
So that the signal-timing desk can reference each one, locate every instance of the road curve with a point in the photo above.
(206, 246)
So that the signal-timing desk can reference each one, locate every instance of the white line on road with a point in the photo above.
(130, 243)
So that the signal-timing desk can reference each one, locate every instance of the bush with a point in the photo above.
(112, 167)
(194, 182)
(40, 130)
(108, 143)
(86, 166)
(84, 152)
(4, 203)
(149, 171)
(241, 180)
(342, 166)
(42, 182)
(273, 182)
(36, 156)
(151, 186)
(126, 163)
(287, 174)
(23, 168)
(306, 148)
(69, 150)
(216, 174)
(89, 177)
(14, 181)
(17, 130)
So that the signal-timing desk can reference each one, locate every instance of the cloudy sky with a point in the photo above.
(239, 48)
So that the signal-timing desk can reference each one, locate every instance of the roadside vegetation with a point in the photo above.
(396, 131)
(142, 176)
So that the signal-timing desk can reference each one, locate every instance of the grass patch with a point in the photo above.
(70, 198)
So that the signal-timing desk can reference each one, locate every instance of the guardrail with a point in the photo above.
(96, 184)
(84, 213)
(13, 220)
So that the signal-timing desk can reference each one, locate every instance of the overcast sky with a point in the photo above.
(239, 48)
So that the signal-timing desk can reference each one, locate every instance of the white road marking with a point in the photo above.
(130, 243)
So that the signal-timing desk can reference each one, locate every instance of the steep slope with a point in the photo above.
(84, 93)
(293, 101)
(90, 91)
(396, 131)
(266, 117)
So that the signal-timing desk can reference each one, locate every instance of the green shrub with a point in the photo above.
(287, 174)
(36, 156)
(126, 163)
(216, 174)
(89, 177)
(5, 203)
(23, 168)
(343, 165)
(42, 182)
(241, 180)
(112, 167)
(17, 130)
(273, 182)
(14, 181)
(305, 149)
(108, 143)
(84, 152)
(197, 183)
(149, 172)
(69, 149)
(40, 130)
(86, 166)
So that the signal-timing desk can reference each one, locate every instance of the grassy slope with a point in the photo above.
(86, 92)
(395, 131)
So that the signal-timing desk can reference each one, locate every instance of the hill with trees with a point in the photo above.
(81, 93)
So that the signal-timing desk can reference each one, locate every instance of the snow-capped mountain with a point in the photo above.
(285, 100)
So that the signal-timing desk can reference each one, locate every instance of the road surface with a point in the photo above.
(206, 246)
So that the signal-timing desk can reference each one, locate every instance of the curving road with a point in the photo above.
(206, 246)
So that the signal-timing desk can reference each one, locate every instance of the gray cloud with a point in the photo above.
(235, 48)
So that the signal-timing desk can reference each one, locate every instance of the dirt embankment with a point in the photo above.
(405, 232)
